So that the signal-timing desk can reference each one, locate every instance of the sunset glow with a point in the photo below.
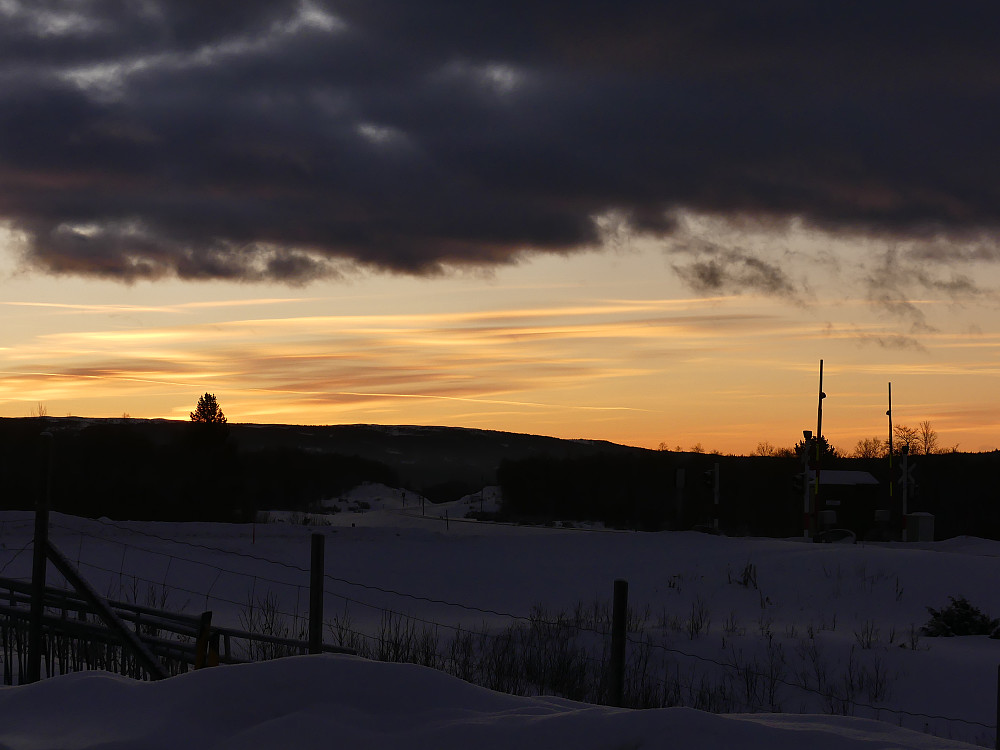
(605, 346)
(645, 226)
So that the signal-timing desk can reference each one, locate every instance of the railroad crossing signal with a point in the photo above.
(906, 474)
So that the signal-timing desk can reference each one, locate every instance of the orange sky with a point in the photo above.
(645, 223)
(603, 345)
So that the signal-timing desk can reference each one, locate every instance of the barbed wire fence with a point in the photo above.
(564, 653)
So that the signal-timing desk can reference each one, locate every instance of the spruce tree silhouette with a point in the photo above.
(213, 484)
(208, 410)
(826, 451)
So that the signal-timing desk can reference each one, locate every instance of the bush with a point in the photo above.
(960, 618)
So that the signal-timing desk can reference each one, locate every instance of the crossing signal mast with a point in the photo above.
(889, 414)
(811, 461)
(819, 431)
(806, 449)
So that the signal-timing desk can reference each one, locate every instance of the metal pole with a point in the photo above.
(38, 562)
(889, 414)
(819, 433)
(618, 633)
(317, 571)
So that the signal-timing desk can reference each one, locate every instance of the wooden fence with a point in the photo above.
(75, 638)
(71, 630)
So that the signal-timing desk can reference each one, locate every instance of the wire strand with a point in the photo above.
(481, 610)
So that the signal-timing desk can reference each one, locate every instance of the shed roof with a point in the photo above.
(837, 476)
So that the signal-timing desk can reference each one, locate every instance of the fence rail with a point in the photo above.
(75, 637)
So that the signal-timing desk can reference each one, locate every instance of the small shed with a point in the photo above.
(852, 495)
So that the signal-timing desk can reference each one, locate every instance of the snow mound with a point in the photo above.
(487, 500)
(373, 496)
(340, 701)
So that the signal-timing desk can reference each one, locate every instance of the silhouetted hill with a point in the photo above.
(164, 468)
(424, 456)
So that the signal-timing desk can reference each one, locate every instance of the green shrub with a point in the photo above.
(960, 618)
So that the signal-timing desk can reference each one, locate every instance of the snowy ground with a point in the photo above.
(324, 701)
(815, 617)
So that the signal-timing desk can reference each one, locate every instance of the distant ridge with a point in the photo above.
(422, 455)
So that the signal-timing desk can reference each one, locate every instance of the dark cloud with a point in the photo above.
(898, 280)
(720, 269)
(733, 272)
(893, 341)
(281, 140)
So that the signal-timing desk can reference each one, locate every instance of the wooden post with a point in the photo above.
(317, 570)
(39, 560)
(806, 452)
(904, 494)
(715, 496)
(618, 633)
(679, 479)
(201, 645)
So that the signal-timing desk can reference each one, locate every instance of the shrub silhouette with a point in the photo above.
(959, 618)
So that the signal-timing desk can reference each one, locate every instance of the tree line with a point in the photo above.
(921, 440)
(194, 471)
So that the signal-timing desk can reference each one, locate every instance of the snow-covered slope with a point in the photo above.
(345, 702)
(820, 619)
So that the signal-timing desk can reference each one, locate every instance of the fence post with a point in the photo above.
(39, 560)
(201, 654)
(618, 632)
(316, 573)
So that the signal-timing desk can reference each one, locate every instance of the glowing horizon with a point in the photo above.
(610, 347)
(645, 223)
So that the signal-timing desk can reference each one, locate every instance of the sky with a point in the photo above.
(644, 224)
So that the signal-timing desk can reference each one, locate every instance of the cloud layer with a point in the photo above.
(288, 140)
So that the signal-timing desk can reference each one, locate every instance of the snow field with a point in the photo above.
(730, 624)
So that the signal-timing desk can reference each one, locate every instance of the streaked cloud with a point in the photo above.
(488, 358)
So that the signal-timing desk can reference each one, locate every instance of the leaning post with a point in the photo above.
(39, 559)
(618, 634)
(316, 573)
